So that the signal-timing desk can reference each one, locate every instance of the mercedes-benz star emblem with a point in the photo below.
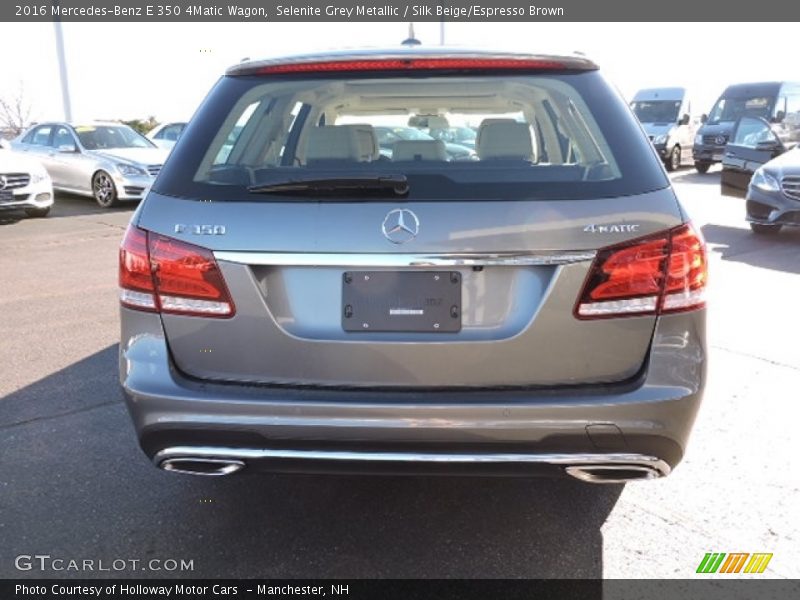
(400, 225)
(3, 182)
(720, 140)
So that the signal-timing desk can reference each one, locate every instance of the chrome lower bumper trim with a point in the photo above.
(574, 464)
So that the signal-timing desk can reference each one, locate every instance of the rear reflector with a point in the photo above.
(662, 273)
(165, 275)
(405, 64)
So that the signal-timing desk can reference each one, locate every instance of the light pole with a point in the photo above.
(62, 64)
(441, 25)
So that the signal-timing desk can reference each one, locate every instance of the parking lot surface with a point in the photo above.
(74, 485)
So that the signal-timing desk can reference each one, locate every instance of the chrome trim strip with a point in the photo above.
(302, 259)
(652, 464)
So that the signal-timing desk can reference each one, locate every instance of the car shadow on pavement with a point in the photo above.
(71, 205)
(76, 485)
(780, 252)
(9, 217)
(67, 205)
(690, 175)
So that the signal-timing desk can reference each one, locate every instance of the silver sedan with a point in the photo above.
(108, 161)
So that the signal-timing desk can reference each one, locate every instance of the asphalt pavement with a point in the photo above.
(75, 486)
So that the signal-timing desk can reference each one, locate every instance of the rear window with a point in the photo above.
(453, 136)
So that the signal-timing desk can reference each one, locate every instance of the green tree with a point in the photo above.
(142, 125)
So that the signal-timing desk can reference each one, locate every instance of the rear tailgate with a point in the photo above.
(521, 266)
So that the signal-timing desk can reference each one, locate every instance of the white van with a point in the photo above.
(665, 114)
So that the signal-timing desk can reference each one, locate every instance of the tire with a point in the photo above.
(761, 229)
(702, 166)
(673, 162)
(37, 213)
(104, 190)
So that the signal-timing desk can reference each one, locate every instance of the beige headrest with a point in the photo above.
(504, 139)
(358, 143)
(419, 150)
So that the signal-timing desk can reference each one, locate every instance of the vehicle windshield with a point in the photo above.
(536, 136)
(656, 111)
(733, 109)
(102, 137)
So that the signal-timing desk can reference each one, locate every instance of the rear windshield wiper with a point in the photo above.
(372, 185)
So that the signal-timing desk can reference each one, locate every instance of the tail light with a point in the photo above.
(161, 274)
(662, 273)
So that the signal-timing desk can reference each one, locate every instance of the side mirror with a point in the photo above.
(779, 117)
(703, 118)
(684, 120)
(67, 149)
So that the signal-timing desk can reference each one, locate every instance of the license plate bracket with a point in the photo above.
(401, 301)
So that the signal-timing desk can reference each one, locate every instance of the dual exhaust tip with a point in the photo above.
(210, 467)
(599, 473)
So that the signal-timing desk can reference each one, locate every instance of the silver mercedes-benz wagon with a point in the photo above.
(295, 299)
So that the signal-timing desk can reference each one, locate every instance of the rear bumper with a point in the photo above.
(644, 423)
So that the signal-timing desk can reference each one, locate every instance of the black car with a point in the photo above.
(771, 101)
(762, 163)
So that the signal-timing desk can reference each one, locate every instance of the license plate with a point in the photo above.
(717, 157)
(401, 301)
(6, 196)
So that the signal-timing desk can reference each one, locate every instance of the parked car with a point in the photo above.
(465, 136)
(387, 136)
(305, 304)
(763, 165)
(665, 115)
(166, 134)
(24, 183)
(108, 161)
(770, 101)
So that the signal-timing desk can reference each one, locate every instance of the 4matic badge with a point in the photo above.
(613, 228)
(200, 229)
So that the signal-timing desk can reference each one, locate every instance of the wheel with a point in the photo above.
(104, 190)
(702, 166)
(37, 212)
(674, 161)
(761, 229)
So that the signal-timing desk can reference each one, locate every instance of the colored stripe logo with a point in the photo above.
(736, 562)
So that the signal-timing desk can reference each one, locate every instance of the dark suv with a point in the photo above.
(755, 100)
(293, 299)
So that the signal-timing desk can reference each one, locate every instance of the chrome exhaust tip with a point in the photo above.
(208, 467)
(613, 473)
